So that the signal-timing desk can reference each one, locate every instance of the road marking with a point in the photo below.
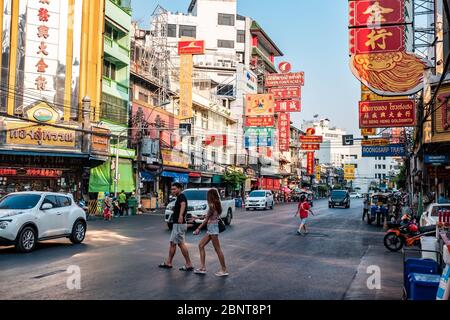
(45, 275)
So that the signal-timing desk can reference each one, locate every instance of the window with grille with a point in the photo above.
(240, 36)
(226, 19)
(225, 44)
(172, 31)
(109, 70)
(188, 31)
(114, 109)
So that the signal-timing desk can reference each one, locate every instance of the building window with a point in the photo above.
(109, 70)
(384, 166)
(111, 33)
(240, 36)
(214, 157)
(114, 109)
(240, 18)
(143, 97)
(226, 19)
(225, 44)
(225, 90)
(172, 31)
(188, 31)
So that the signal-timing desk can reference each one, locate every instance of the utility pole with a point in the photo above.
(139, 117)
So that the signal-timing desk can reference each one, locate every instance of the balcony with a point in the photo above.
(116, 52)
(115, 89)
(119, 12)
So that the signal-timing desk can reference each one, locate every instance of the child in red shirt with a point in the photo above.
(303, 211)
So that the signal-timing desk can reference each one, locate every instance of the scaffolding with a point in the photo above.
(424, 28)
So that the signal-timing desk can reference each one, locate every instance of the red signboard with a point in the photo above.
(193, 47)
(310, 163)
(284, 131)
(286, 93)
(264, 121)
(285, 67)
(8, 172)
(285, 80)
(311, 139)
(219, 140)
(387, 114)
(380, 40)
(288, 106)
(32, 172)
(310, 147)
(376, 13)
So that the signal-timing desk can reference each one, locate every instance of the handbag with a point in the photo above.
(222, 226)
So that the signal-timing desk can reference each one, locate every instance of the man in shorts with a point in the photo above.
(178, 236)
(303, 211)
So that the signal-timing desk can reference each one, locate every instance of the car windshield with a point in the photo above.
(257, 194)
(338, 194)
(196, 195)
(19, 202)
(440, 209)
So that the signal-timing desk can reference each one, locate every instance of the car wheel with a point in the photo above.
(170, 226)
(229, 217)
(266, 207)
(272, 206)
(26, 241)
(78, 232)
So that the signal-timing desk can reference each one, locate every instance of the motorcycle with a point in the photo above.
(407, 233)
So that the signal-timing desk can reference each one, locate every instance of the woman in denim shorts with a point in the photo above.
(212, 235)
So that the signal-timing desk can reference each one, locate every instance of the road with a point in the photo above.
(266, 259)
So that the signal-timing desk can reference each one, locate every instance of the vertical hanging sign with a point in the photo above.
(284, 133)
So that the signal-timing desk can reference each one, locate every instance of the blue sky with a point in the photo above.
(313, 36)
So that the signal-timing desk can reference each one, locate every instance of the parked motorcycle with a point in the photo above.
(406, 233)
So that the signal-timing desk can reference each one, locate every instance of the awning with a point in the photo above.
(43, 154)
(102, 177)
(147, 176)
(177, 177)
(217, 179)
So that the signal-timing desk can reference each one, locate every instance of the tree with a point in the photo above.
(234, 179)
(401, 178)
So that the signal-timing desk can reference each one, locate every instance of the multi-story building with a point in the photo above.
(51, 63)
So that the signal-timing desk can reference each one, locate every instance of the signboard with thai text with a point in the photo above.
(194, 47)
(285, 80)
(263, 121)
(387, 114)
(393, 150)
(311, 139)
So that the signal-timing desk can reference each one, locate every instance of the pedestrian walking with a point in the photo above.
(123, 203)
(366, 206)
(178, 236)
(116, 207)
(107, 211)
(212, 235)
(303, 212)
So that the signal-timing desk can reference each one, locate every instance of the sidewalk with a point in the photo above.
(391, 266)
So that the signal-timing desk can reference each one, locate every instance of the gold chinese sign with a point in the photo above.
(26, 133)
(174, 158)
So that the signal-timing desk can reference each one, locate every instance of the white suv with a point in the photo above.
(260, 199)
(29, 217)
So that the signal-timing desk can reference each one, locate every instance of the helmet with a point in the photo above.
(413, 228)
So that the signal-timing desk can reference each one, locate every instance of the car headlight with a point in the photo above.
(4, 224)
(201, 208)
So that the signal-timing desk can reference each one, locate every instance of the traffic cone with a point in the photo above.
(385, 225)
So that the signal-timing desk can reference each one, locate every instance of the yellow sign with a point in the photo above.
(42, 112)
(174, 158)
(375, 142)
(318, 172)
(369, 132)
(260, 105)
(26, 133)
(349, 172)
(186, 70)
(368, 95)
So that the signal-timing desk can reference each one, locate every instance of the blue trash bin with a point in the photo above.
(238, 202)
(422, 266)
(424, 287)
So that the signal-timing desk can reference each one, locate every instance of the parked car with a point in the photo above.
(260, 199)
(431, 216)
(27, 218)
(355, 195)
(339, 198)
(198, 207)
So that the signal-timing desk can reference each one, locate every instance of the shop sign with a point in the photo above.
(384, 40)
(260, 105)
(258, 137)
(318, 173)
(385, 12)
(286, 93)
(288, 106)
(32, 173)
(8, 172)
(263, 121)
(285, 67)
(436, 160)
(387, 114)
(349, 172)
(196, 47)
(285, 80)
(310, 161)
(26, 133)
(186, 75)
(393, 150)
(100, 140)
(284, 132)
(310, 147)
(369, 132)
(123, 153)
(375, 142)
(311, 139)
(443, 124)
(174, 158)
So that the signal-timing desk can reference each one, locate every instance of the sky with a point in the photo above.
(313, 36)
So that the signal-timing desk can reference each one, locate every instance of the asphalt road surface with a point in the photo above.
(265, 257)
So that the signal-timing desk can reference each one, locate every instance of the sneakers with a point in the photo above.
(222, 274)
(200, 272)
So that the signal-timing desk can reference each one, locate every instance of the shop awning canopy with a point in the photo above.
(43, 154)
(177, 177)
(102, 177)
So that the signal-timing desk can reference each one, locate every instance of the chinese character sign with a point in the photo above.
(310, 162)
(186, 70)
(263, 121)
(386, 39)
(284, 131)
(288, 106)
(387, 114)
(286, 92)
(378, 13)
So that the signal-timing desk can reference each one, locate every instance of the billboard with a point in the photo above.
(285, 80)
(387, 114)
(393, 150)
(260, 105)
(263, 121)
(288, 106)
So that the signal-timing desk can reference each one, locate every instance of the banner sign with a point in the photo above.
(186, 71)
(310, 163)
(260, 105)
(387, 114)
(263, 121)
(194, 47)
(393, 150)
(310, 147)
(369, 40)
(286, 93)
(375, 142)
(285, 80)
(284, 129)
(288, 106)
(27, 133)
(386, 12)
(311, 139)
(258, 137)
(349, 172)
